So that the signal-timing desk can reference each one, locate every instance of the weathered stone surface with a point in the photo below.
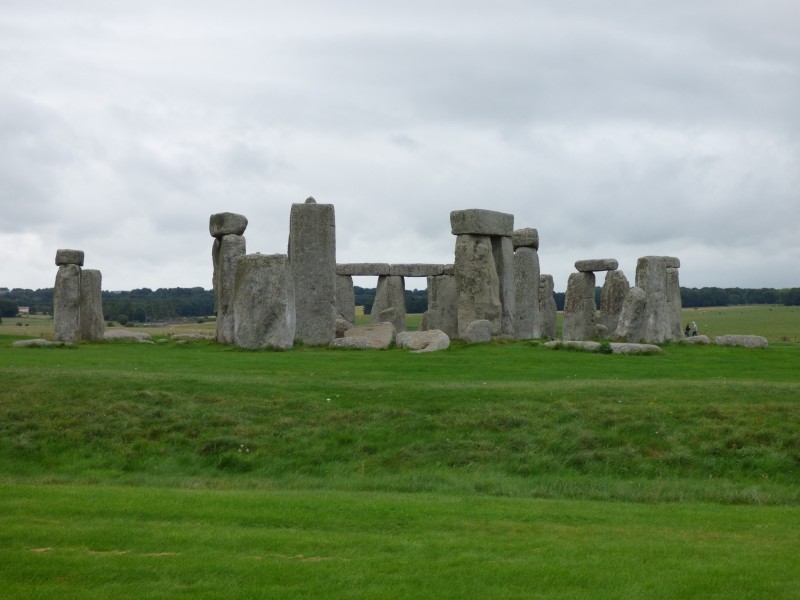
(616, 347)
(355, 343)
(363, 269)
(443, 304)
(548, 310)
(696, 339)
(477, 283)
(478, 331)
(390, 294)
(342, 325)
(503, 252)
(526, 287)
(631, 317)
(345, 298)
(476, 221)
(527, 237)
(312, 256)
(428, 321)
(380, 335)
(597, 264)
(226, 223)
(69, 257)
(37, 342)
(612, 297)
(579, 307)
(190, 336)
(124, 334)
(264, 302)
(673, 262)
(581, 345)
(416, 270)
(674, 306)
(651, 276)
(93, 325)
(226, 251)
(67, 304)
(423, 341)
(600, 331)
(746, 341)
(449, 270)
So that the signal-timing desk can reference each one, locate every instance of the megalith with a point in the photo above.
(263, 302)
(503, 251)
(92, 323)
(526, 284)
(674, 303)
(312, 258)
(548, 310)
(390, 296)
(229, 244)
(579, 306)
(442, 310)
(631, 317)
(345, 298)
(612, 297)
(67, 304)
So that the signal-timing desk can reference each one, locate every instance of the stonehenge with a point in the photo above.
(227, 229)
(526, 283)
(77, 300)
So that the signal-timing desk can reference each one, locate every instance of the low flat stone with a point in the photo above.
(191, 336)
(745, 341)
(478, 332)
(581, 345)
(627, 348)
(416, 270)
(226, 223)
(597, 264)
(363, 269)
(527, 237)
(380, 335)
(37, 343)
(124, 334)
(353, 342)
(423, 341)
(69, 257)
(476, 221)
(695, 339)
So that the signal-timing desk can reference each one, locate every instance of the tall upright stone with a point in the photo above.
(548, 310)
(477, 282)
(503, 251)
(579, 306)
(263, 302)
(312, 257)
(651, 277)
(390, 294)
(526, 284)
(612, 297)
(630, 327)
(345, 298)
(229, 244)
(674, 303)
(67, 304)
(442, 310)
(93, 324)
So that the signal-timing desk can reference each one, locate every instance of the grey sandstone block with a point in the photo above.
(476, 221)
(69, 257)
(226, 223)
(526, 237)
(363, 269)
(597, 264)
(416, 270)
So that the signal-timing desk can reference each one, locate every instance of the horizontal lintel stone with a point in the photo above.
(416, 270)
(226, 223)
(363, 269)
(69, 257)
(525, 238)
(597, 264)
(476, 221)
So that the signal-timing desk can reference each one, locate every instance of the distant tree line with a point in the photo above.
(146, 305)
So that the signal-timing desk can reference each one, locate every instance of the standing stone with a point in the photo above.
(503, 251)
(312, 256)
(674, 305)
(226, 251)
(67, 304)
(579, 307)
(612, 297)
(263, 302)
(547, 306)
(526, 285)
(93, 324)
(477, 282)
(443, 304)
(651, 277)
(390, 296)
(345, 298)
(632, 316)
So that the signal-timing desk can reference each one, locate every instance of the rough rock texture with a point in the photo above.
(380, 335)
(651, 276)
(442, 310)
(746, 341)
(342, 325)
(423, 341)
(597, 264)
(631, 317)
(226, 223)
(612, 297)
(582, 345)
(696, 339)
(503, 251)
(190, 336)
(600, 331)
(69, 257)
(263, 302)
(579, 307)
(312, 256)
(363, 269)
(356, 343)
(616, 348)
(672, 262)
(475, 221)
(526, 288)
(390, 294)
(93, 324)
(674, 305)
(479, 331)
(547, 307)
(345, 298)
(124, 334)
(449, 270)
(527, 237)
(37, 342)
(67, 304)
(226, 251)
(477, 283)
(416, 270)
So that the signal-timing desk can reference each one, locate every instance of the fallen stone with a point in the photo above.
(478, 332)
(423, 341)
(598, 264)
(227, 223)
(353, 342)
(579, 344)
(526, 237)
(124, 334)
(616, 347)
(745, 341)
(37, 343)
(363, 269)
(69, 257)
(696, 339)
(475, 221)
(380, 335)
(191, 336)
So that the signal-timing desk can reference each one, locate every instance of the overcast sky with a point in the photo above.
(618, 129)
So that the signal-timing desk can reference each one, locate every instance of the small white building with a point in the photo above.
(23, 311)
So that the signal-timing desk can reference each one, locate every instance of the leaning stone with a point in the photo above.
(124, 334)
(696, 340)
(227, 223)
(631, 317)
(390, 296)
(69, 257)
(746, 341)
(477, 332)
(612, 297)
(67, 304)
(380, 335)
(363, 269)
(477, 283)
(598, 264)
(264, 302)
(579, 306)
(475, 221)
(342, 325)
(416, 270)
(92, 322)
(526, 289)
(354, 342)
(526, 237)
(423, 341)
(548, 310)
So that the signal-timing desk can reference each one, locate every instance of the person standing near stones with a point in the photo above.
(694, 329)
(687, 330)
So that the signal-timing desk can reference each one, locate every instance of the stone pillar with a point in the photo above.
(526, 284)
(345, 298)
(503, 251)
(263, 302)
(67, 296)
(612, 296)
(229, 245)
(93, 324)
(674, 304)
(651, 277)
(631, 317)
(548, 310)
(312, 257)
(579, 307)
(443, 304)
(390, 296)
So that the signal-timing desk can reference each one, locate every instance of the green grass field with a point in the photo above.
(499, 471)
